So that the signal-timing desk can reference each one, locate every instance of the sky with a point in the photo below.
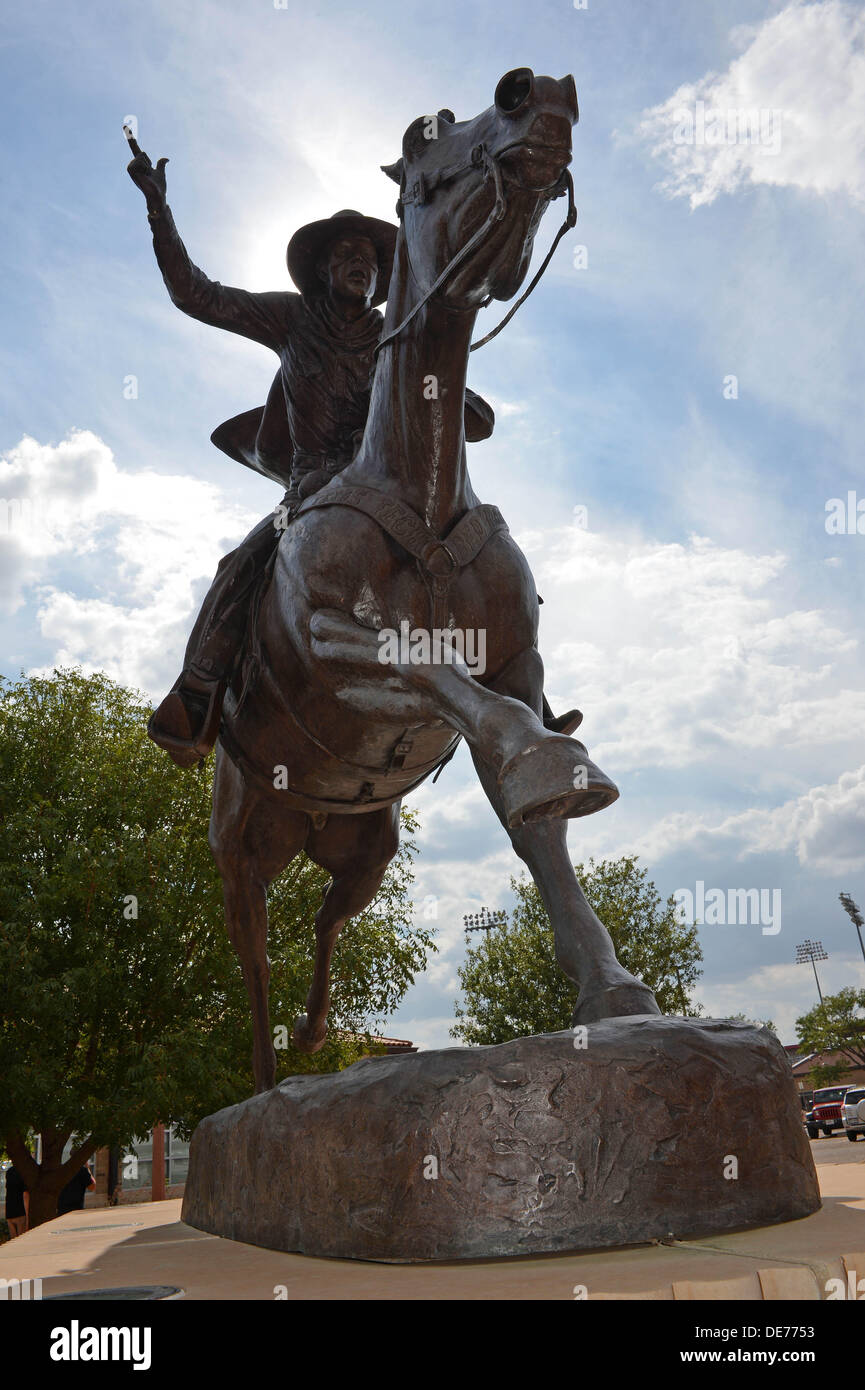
(678, 404)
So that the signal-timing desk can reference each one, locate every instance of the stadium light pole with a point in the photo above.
(484, 920)
(855, 917)
(812, 951)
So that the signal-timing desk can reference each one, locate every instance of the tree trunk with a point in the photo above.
(45, 1181)
(43, 1198)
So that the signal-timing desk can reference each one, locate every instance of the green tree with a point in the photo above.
(836, 1025)
(755, 1022)
(512, 986)
(122, 1003)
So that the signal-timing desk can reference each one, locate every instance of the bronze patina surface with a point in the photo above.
(528, 1148)
(318, 740)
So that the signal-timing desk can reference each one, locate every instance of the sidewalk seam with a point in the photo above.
(746, 1255)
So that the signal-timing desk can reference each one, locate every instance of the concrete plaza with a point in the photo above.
(148, 1244)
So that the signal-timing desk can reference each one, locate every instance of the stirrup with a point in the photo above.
(186, 724)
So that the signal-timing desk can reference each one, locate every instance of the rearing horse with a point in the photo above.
(320, 739)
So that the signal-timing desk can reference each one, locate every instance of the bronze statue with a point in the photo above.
(310, 428)
(320, 738)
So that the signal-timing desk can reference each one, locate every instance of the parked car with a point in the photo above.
(853, 1113)
(825, 1114)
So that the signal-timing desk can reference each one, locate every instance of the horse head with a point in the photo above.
(472, 193)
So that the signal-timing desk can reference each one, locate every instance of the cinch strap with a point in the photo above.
(439, 561)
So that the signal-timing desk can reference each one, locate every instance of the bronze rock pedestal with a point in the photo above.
(625, 1131)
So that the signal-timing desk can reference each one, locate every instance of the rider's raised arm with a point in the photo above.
(257, 316)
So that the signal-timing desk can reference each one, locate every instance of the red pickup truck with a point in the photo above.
(825, 1113)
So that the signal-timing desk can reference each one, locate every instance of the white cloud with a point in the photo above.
(781, 992)
(426, 1032)
(143, 547)
(824, 827)
(807, 64)
(686, 653)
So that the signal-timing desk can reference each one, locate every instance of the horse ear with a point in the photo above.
(394, 171)
(417, 137)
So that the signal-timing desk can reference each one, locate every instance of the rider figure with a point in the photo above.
(310, 428)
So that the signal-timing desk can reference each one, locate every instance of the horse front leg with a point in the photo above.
(538, 773)
(584, 948)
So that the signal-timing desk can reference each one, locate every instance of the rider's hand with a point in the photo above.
(150, 180)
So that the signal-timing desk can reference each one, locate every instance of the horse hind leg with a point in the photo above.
(251, 847)
(356, 851)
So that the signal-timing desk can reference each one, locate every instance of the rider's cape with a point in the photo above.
(261, 438)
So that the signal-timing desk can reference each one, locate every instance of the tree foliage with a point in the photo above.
(512, 986)
(836, 1025)
(121, 1000)
(755, 1022)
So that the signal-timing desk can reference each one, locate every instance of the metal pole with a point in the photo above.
(817, 978)
(855, 917)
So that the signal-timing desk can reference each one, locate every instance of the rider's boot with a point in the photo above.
(561, 723)
(186, 724)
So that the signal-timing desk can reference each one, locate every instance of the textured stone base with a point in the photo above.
(538, 1146)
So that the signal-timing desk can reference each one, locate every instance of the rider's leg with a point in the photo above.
(186, 724)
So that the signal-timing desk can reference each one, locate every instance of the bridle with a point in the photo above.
(422, 190)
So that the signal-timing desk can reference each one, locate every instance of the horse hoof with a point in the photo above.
(553, 778)
(304, 1038)
(620, 1001)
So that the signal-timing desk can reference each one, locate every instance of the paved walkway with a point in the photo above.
(106, 1247)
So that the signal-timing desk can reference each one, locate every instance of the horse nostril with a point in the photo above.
(514, 89)
(569, 92)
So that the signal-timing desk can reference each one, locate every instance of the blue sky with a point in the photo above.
(704, 620)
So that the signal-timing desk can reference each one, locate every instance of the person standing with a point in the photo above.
(17, 1202)
(72, 1196)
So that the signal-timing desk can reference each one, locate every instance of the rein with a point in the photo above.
(421, 191)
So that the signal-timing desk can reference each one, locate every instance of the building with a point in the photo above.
(803, 1064)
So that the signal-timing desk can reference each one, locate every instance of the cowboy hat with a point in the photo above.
(309, 243)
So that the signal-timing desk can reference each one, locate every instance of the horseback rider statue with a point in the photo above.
(319, 742)
(309, 429)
